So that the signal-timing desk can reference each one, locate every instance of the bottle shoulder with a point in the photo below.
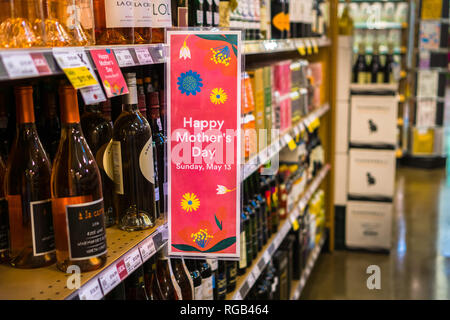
(130, 123)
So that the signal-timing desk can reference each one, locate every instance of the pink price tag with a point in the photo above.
(40, 63)
(143, 56)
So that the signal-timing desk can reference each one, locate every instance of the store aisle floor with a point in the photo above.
(418, 266)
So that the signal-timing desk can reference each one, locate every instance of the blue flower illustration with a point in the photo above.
(190, 82)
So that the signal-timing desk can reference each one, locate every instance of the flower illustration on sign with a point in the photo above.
(221, 55)
(190, 202)
(189, 83)
(184, 51)
(201, 237)
(222, 189)
(218, 96)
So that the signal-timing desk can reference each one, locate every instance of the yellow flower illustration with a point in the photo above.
(201, 238)
(221, 55)
(190, 202)
(218, 96)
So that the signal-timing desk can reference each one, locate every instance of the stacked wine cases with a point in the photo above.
(430, 67)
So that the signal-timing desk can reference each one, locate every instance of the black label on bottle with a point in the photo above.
(42, 226)
(4, 225)
(86, 230)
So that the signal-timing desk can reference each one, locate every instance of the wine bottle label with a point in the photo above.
(243, 259)
(158, 123)
(361, 77)
(207, 285)
(117, 167)
(232, 274)
(146, 161)
(221, 284)
(119, 13)
(142, 14)
(380, 77)
(199, 16)
(189, 277)
(4, 225)
(161, 14)
(42, 227)
(86, 234)
(209, 17)
(183, 17)
(157, 194)
(214, 263)
(198, 293)
(216, 18)
(105, 157)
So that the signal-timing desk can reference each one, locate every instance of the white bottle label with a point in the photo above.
(117, 166)
(119, 13)
(142, 13)
(108, 164)
(198, 292)
(214, 263)
(207, 285)
(243, 259)
(156, 194)
(146, 162)
(161, 14)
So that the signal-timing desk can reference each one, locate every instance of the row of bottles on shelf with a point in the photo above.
(54, 23)
(59, 197)
(375, 68)
(163, 278)
(373, 12)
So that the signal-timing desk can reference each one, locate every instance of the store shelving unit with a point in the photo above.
(284, 45)
(246, 281)
(299, 285)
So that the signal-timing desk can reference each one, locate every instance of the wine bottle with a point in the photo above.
(5, 140)
(264, 207)
(196, 279)
(231, 275)
(221, 280)
(360, 67)
(151, 280)
(113, 22)
(253, 222)
(142, 21)
(27, 189)
(97, 129)
(245, 224)
(183, 278)
(215, 13)
(141, 96)
(207, 280)
(195, 13)
(376, 70)
(224, 13)
(161, 19)
(49, 126)
(256, 204)
(4, 219)
(214, 263)
(389, 66)
(77, 199)
(207, 13)
(345, 22)
(132, 152)
(277, 18)
(274, 195)
(160, 142)
(135, 286)
(169, 287)
(181, 13)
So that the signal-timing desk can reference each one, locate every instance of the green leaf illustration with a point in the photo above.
(225, 243)
(231, 39)
(219, 224)
(185, 247)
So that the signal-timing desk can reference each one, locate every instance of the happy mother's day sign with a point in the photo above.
(204, 95)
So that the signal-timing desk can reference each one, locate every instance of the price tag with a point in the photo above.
(40, 63)
(292, 145)
(133, 260)
(91, 291)
(308, 46)
(80, 77)
(109, 279)
(124, 57)
(251, 280)
(302, 283)
(315, 46)
(314, 124)
(266, 257)
(143, 55)
(122, 269)
(19, 65)
(147, 249)
(297, 130)
(296, 295)
(237, 296)
(301, 48)
(92, 95)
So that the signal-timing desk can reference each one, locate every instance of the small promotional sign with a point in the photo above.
(110, 73)
(204, 110)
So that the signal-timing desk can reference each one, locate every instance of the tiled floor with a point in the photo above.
(418, 266)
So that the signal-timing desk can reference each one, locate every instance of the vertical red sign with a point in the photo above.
(204, 79)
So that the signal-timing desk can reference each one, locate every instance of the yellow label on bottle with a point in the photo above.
(362, 78)
(380, 77)
(80, 77)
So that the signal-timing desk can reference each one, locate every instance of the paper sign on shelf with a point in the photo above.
(78, 69)
(19, 65)
(91, 291)
(110, 73)
(124, 57)
(109, 279)
(204, 73)
(147, 249)
(315, 46)
(308, 46)
(40, 63)
(133, 260)
(143, 55)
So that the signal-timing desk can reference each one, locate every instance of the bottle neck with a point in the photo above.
(24, 105)
(69, 105)
(130, 101)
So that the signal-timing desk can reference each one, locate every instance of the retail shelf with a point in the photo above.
(380, 25)
(126, 252)
(374, 87)
(282, 45)
(383, 50)
(246, 281)
(45, 63)
(298, 285)
(269, 152)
